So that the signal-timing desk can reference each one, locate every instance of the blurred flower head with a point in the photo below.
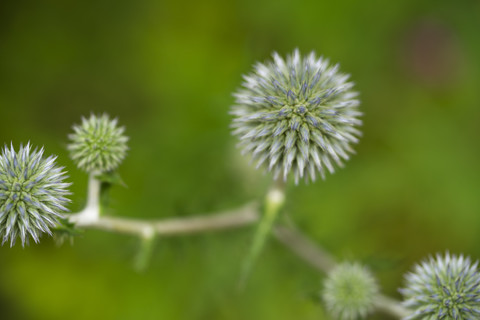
(350, 291)
(297, 115)
(98, 144)
(32, 194)
(447, 287)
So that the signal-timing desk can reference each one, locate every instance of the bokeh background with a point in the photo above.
(166, 69)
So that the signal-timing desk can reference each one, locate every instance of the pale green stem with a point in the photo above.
(147, 242)
(391, 306)
(91, 212)
(224, 220)
(322, 261)
(305, 249)
(274, 201)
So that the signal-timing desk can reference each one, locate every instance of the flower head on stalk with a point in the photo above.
(298, 115)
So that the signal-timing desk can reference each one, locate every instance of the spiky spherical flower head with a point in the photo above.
(350, 291)
(98, 144)
(32, 194)
(297, 115)
(445, 287)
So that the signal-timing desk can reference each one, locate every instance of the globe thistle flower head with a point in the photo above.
(297, 115)
(445, 287)
(350, 291)
(98, 144)
(32, 194)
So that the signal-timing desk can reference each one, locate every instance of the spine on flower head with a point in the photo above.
(32, 194)
(297, 115)
(98, 144)
(445, 287)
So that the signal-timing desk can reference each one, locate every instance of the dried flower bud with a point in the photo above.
(98, 144)
(32, 194)
(298, 114)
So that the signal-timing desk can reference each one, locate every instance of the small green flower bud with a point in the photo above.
(297, 115)
(350, 291)
(98, 144)
(447, 287)
(32, 194)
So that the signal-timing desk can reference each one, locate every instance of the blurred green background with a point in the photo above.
(166, 69)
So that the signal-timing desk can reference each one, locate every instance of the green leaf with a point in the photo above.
(65, 230)
(112, 178)
(108, 179)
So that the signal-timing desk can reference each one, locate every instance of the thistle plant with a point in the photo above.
(98, 144)
(297, 115)
(445, 287)
(32, 194)
(349, 291)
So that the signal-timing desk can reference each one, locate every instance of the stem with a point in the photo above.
(304, 248)
(91, 212)
(93, 197)
(240, 217)
(147, 242)
(322, 261)
(274, 201)
(390, 306)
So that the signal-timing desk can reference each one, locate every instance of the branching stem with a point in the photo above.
(243, 216)
(91, 213)
(321, 260)
(274, 201)
(246, 215)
